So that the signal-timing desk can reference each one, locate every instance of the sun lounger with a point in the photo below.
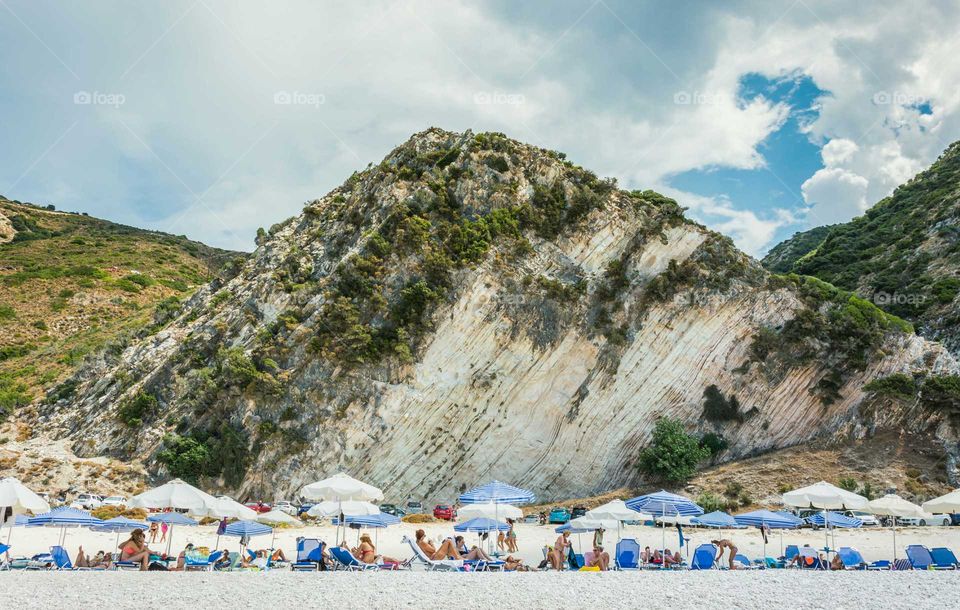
(61, 559)
(627, 554)
(851, 558)
(903, 564)
(704, 557)
(943, 558)
(348, 562)
(921, 559)
(433, 564)
(309, 555)
(809, 559)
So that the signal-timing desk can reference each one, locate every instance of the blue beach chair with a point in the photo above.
(348, 562)
(851, 558)
(943, 558)
(205, 564)
(309, 555)
(704, 558)
(628, 554)
(61, 559)
(920, 557)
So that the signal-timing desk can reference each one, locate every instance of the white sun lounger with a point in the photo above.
(433, 564)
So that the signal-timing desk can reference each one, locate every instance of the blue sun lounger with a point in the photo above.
(195, 564)
(309, 555)
(943, 558)
(628, 554)
(851, 558)
(348, 562)
(704, 558)
(920, 557)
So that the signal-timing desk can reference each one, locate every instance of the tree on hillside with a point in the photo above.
(673, 455)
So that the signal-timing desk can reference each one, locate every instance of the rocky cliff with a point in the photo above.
(470, 308)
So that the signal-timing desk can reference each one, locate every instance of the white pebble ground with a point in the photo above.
(423, 590)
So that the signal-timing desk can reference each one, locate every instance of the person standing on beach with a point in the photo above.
(163, 531)
(153, 531)
(726, 544)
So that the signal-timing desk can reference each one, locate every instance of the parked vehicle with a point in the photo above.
(259, 507)
(955, 519)
(532, 518)
(414, 508)
(285, 507)
(445, 512)
(115, 501)
(578, 511)
(392, 509)
(559, 515)
(88, 501)
(927, 519)
(868, 519)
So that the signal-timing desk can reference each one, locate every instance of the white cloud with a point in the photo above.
(838, 151)
(836, 195)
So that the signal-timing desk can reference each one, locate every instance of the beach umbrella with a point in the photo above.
(481, 525)
(826, 497)
(18, 521)
(226, 507)
(278, 517)
(247, 529)
(330, 508)
(15, 496)
(171, 519)
(949, 503)
(118, 525)
(497, 493)
(770, 520)
(63, 518)
(614, 510)
(176, 494)
(788, 515)
(892, 505)
(717, 519)
(664, 503)
(376, 521)
(489, 510)
(340, 488)
(832, 519)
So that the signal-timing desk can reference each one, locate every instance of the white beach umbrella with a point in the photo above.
(894, 506)
(278, 516)
(825, 496)
(489, 510)
(176, 494)
(17, 497)
(341, 487)
(615, 510)
(949, 503)
(352, 508)
(231, 509)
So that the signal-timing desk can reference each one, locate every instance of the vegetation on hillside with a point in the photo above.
(71, 284)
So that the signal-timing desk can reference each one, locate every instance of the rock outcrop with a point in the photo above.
(476, 308)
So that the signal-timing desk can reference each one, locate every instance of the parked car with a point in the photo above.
(392, 509)
(445, 512)
(868, 519)
(927, 519)
(578, 511)
(559, 515)
(532, 518)
(414, 508)
(88, 501)
(285, 507)
(259, 507)
(955, 519)
(115, 501)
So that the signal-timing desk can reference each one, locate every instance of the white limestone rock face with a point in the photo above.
(541, 354)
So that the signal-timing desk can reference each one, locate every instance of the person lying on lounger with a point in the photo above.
(730, 546)
(101, 560)
(135, 549)
(367, 553)
(471, 554)
(447, 550)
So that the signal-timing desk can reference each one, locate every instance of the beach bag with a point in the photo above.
(156, 567)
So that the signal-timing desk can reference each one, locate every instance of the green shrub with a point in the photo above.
(714, 443)
(497, 163)
(711, 502)
(897, 385)
(716, 408)
(9, 352)
(673, 455)
(941, 393)
(235, 367)
(140, 279)
(7, 313)
(136, 409)
(184, 457)
(733, 489)
(847, 483)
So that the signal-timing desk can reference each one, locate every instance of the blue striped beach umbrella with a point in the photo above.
(717, 519)
(247, 529)
(376, 521)
(63, 518)
(481, 525)
(664, 503)
(780, 520)
(498, 493)
(118, 525)
(833, 520)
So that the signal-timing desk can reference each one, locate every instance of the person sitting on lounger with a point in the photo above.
(472, 554)
(656, 558)
(182, 559)
(671, 559)
(367, 553)
(836, 563)
(135, 549)
(278, 555)
(558, 554)
(224, 562)
(646, 556)
(447, 550)
(730, 546)
(601, 559)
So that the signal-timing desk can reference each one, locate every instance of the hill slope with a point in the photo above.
(72, 284)
(903, 254)
(473, 307)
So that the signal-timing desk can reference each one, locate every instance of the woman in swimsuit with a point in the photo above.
(726, 544)
(447, 550)
(367, 553)
(512, 538)
(473, 554)
(135, 549)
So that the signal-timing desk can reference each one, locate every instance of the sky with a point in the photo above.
(212, 118)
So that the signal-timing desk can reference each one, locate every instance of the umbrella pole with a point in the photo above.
(826, 536)
(663, 542)
(894, 540)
